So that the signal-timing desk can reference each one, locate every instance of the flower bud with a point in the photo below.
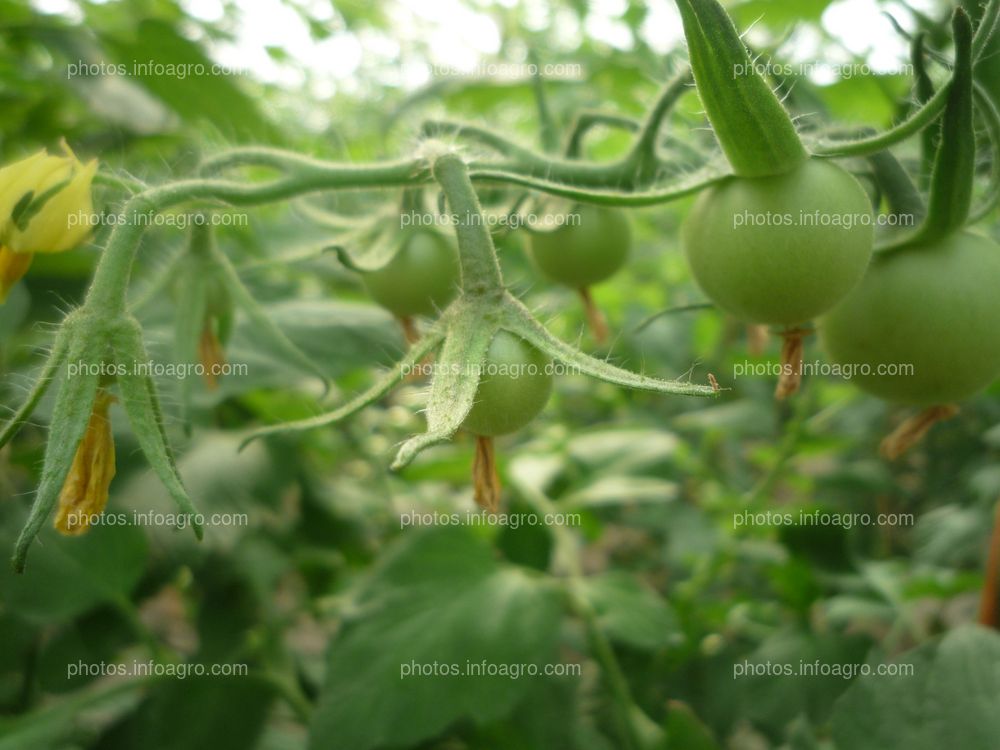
(85, 492)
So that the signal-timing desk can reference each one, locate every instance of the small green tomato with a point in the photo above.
(934, 307)
(514, 387)
(421, 279)
(782, 249)
(587, 251)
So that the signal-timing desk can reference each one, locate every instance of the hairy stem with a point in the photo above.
(477, 256)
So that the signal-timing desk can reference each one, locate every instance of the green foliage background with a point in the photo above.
(324, 593)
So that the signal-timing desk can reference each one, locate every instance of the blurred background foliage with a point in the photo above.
(322, 592)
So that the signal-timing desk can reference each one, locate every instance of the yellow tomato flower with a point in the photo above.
(85, 492)
(51, 197)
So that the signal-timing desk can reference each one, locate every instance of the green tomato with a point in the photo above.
(514, 387)
(421, 279)
(587, 251)
(783, 249)
(934, 307)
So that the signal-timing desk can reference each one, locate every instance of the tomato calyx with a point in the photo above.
(750, 123)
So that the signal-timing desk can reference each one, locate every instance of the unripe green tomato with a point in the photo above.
(421, 279)
(934, 307)
(783, 249)
(514, 387)
(587, 251)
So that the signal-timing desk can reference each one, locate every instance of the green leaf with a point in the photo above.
(439, 597)
(75, 574)
(632, 614)
(54, 725)
(224, 713)
(685, 731)
(949, 700)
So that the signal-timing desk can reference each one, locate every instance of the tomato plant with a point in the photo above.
(202, 280)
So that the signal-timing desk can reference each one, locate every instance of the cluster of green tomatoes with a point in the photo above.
(786, 241)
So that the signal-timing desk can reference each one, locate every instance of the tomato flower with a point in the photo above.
(85, 492)
(39, 197)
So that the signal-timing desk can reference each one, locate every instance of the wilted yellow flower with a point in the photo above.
(12, 267)
(85, 492)
(211, 354)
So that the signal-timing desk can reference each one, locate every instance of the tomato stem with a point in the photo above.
(589, 118)
(477, 255)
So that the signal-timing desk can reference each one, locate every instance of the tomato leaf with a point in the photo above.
(440, 597)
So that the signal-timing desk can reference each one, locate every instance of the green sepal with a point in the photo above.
(189, 320)
(46, 375)
(420, 349)
(923, 92)
(261, 323)
(753, 128)
(955, 162)
(455, 380)
(371, 246)
(518, 319)
(990, 114)
(70, 416)
(142, 406)
(895, 184)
